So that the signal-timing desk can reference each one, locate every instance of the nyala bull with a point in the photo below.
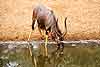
(47, 22)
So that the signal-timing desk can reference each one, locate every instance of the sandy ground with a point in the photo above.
(83, 18)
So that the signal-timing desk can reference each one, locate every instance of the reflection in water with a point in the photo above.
(41, 60)
(72, 57)
(17, 55)
(12, 64)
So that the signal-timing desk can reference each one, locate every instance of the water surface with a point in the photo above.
(74, 54)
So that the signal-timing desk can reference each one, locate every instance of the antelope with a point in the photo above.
(47, 22)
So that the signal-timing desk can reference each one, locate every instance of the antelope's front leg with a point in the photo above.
(33, 22)
(46, 43)
(41, 33)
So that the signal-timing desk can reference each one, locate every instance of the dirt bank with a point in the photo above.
(83, 18)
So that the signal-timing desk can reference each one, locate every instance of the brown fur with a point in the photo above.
(47, 21)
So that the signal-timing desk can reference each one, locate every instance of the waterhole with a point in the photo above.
(74, 54)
